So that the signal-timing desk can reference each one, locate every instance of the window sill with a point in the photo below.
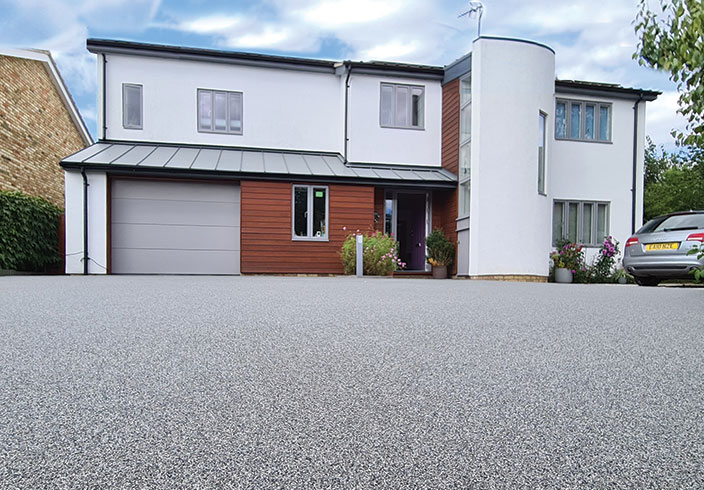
(309, 239)
(221, 132)
(402, 127)
(138, 128)
(585, 141)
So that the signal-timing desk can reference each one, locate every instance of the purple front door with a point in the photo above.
(410, 230)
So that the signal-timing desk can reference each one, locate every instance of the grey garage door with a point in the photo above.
(161, 227)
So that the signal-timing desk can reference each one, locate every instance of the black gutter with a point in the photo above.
(347, 97)
(85, 221)
(105, 123)
(600, 89)
(635, 163)
(228, 176)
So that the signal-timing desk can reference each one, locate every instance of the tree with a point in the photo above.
(673, 181)
(673, 41)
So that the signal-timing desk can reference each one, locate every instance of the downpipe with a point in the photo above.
(85, 221)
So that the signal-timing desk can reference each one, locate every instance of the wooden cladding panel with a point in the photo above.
(266, 244)
(451, 126)
(445, 217)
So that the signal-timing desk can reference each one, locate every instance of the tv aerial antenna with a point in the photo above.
(475, 9)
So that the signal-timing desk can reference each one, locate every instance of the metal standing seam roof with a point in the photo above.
(155, 158)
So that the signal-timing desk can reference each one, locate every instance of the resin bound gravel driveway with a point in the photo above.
(270, 382)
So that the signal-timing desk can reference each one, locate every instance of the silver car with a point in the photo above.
(658, 251)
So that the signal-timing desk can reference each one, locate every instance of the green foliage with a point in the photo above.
(380, 254)
(441, 251)
(28, 232)
(601, 269)
(571, 256)
(672, 40)
(568, 256)
(699, 251)
(673, 181)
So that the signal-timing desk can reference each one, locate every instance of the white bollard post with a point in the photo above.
(360, 256)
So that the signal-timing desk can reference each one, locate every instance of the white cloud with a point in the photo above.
(332, 13)
(661, 118)
(390, 51)
(215, 24)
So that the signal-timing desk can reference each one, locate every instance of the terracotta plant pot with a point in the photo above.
(563, 275)
(439, 272)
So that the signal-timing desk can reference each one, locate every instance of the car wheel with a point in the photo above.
(646, 281)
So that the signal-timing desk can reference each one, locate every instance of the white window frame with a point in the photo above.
(227, 94)
(466, 144)
(596, 241)
(125, 124)
(309, 213)
(394, 86)
(542, 162)
(583, 120)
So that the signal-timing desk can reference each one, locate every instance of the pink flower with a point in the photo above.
(344, 228)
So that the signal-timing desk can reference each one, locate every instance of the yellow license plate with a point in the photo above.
(662, 246)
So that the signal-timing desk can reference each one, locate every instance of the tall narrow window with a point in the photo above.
(575, 120)
(589, 122)
(542, 118)
(465, 171)
(402, 106)
(561, 120)
(310, 212)
(219, 112)
(604, 123)
(131, 106)
(558, 220)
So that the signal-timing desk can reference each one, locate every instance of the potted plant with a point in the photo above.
(441, 252)
(566, 260)
(620, 276)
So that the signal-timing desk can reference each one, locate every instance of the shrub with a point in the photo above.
(601, 268)
(441, 251)
(29, 226)
(380, 254)
(698, 272)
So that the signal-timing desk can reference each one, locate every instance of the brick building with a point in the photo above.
(39, 124)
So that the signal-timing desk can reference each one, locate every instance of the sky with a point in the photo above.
(593, 41)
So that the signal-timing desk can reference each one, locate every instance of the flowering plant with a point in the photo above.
(605, 259)
(568, 256)
(379, 254)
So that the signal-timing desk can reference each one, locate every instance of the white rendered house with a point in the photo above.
(219, 162)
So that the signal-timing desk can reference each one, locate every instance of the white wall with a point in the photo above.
(97, 221)
(510, 227)
(590, 171)
(282, 108)
(369, 142)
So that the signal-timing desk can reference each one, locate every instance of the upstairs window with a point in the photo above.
(131, 106)
(219, 111)
(310, 212)
(402, 106)
(582, 120)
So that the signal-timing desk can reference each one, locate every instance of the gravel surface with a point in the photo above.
(271, 382)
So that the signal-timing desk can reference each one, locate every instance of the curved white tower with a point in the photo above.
(513, 84)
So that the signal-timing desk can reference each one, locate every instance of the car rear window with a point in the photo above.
(650, 225)
(681, 222)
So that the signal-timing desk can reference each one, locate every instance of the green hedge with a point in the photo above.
(29, 232)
